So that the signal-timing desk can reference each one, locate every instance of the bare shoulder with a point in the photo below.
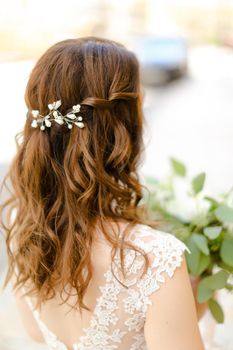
(170, 319)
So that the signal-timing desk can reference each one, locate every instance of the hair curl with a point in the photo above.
(65, 181)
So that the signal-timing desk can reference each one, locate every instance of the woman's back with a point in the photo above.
(118, 313)
(76, 166)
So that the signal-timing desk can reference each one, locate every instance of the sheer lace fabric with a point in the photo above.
(120, 313)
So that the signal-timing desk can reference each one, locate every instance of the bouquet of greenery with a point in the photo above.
(203, 223)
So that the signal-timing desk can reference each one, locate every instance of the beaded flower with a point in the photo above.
(55, 115)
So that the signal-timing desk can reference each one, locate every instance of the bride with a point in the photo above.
(89, 270)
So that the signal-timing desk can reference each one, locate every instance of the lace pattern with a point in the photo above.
(98, 336)
(106, 330)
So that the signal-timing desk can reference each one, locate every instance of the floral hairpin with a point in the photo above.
(54, 115)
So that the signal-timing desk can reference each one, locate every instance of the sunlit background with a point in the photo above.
(185, 48)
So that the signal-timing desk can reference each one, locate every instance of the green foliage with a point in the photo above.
(198, 182)
(225, 267)
(216, 310)
(226, 251)
(218, 280)
(224, 213)
(197, 261)
(208, 234)
(214, 202)
(193, 258)
(209, 284)
(204, 293)
(201, 242)
(212, 232)
(204, 262)
(178, 167)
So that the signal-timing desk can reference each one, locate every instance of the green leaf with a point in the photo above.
(226, 251)
(218, 280)
(198, 182)
(216, 310)
(209, 284)
(193, 258)
(203, 292)
(213, 201)
(224, 213)
(204, 262)
(201, 242)
(212, 232)
(226, 267)
(178, 167)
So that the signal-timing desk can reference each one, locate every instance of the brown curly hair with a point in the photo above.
(65, 181)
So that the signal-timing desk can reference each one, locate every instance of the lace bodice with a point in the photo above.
(120, 313)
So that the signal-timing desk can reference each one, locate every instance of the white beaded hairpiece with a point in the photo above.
(54, 115)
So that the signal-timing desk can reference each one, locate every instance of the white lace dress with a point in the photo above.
(120, 313)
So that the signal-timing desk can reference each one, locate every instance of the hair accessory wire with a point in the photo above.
(55, 115)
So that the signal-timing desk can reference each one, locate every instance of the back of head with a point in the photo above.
(65, 180)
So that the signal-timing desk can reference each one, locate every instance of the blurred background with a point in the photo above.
(185, 48)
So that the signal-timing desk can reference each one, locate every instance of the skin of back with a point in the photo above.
(27, 318)
(171, 320)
